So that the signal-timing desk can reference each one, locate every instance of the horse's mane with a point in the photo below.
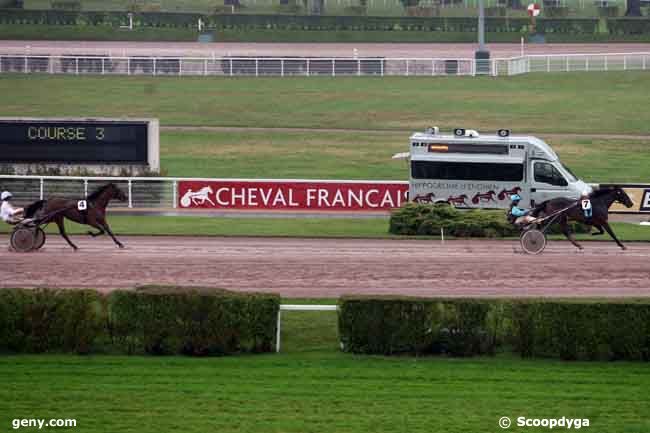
(93, 195)
(603, 191)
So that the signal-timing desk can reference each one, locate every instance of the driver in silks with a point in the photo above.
(517, 215)
(9, 213)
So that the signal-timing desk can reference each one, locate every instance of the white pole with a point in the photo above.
(442, 235)
(522, 46)
(277, 332)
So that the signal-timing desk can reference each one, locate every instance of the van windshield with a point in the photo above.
(572, 176)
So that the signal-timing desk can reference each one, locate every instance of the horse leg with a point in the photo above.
(59, 223)
(611, 233)
(568, 234)
(105, 226)
(98, 227)
(600, 230)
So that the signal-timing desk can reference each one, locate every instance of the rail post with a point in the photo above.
(41, 189)
(180, 67)
(130, 195)
(282, 67)
(154, 66)
(175, 194)
(0, 64)
(257, 67)
(85, 187)
(381, 67)
(25, 66)
(606, 62)
(205, 67)
(333, 68)
(407, 67)
(643, 60)
(76, 65)
(567, 63)
(625, 63)
(359, 67)
(277, 331)
(128, 66)
(103, 66)
(548, 63)
(231, 66)
(308, 67)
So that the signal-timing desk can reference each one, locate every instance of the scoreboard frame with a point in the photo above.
(80, 141)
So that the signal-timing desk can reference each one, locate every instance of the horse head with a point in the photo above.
(621, 196)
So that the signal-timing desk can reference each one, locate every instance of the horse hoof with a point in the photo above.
(121, 246)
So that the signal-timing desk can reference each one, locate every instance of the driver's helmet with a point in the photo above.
(515, 197)
(6, 195)
(585, 193)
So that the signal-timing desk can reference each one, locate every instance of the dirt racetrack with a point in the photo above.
(424, 50)
(332, 267)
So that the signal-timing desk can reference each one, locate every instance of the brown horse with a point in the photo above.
(601, 200)
(57, 208)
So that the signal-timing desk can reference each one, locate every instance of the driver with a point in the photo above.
(518, 215)
(8, 212)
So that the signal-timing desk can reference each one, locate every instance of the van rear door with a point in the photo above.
(547, 182)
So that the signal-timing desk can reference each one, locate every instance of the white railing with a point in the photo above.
(233, 66)
(301, 66)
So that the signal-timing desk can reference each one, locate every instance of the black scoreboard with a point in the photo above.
(73, 141)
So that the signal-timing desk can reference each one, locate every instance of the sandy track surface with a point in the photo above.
(426, 50)
(332, 267)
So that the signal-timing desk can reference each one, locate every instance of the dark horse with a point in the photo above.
(601, 200)
(57, 208)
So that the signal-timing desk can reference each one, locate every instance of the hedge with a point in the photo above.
(244, 22)
(152, 320)
(392, 325)
(427, 220)
(197, 321)
(49, 320)
(565, 329)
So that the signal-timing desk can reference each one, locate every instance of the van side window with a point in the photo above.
(467, 171)
(547, 173)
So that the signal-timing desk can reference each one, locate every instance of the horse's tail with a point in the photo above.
(31, 210)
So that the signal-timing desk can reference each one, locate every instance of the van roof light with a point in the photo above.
(432, 130)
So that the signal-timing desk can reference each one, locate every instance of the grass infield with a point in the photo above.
(552, 103)
(312, 387)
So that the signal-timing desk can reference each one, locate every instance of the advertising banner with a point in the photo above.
(291, 195)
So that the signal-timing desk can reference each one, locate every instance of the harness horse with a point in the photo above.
(28, 235)
(561, 210)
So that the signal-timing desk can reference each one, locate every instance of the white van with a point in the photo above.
(470, 170)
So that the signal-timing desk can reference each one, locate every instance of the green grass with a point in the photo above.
(312, 387)
(562, 102)
(285, 227)
(359, 155)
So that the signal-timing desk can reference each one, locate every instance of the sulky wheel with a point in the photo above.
(533, 241)
(22, 240)
(39, 238)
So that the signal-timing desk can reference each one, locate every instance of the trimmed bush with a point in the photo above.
(393, 325)
(197, 321)
(574, 330)
(565, 329)
(222, 19)
(42, 320)
(427, 220)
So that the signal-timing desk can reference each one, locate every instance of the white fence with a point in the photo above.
(142, 192)
(301, 66)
